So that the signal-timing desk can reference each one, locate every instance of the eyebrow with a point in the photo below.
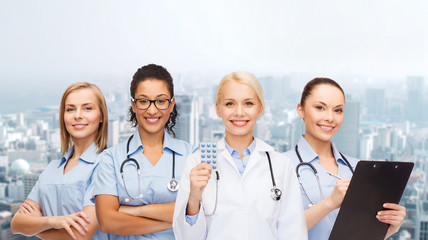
(85, 104)
(145, 96)
(232, 99)
(323, 103)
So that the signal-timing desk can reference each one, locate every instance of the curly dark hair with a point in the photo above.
(153, 71)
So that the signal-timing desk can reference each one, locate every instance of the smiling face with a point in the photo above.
(322, 113)
(239, 107)
(82, 116)
(152, 120)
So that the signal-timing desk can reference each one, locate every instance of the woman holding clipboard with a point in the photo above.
(324, 173)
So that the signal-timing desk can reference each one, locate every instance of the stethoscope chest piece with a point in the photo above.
(173, 185)
(275, 193)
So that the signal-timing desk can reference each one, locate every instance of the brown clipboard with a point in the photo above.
(373, 184)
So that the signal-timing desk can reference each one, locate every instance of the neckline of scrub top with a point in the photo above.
(307, 152)
(168, 142)
(88, 156)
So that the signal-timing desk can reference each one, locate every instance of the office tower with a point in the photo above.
(4, 163)
(347, 138)
(194, 122)
(184, 108)
(414, 106)
(15, 190)
(422, 227)
(375, 102)
(29, 181)
(113, 133)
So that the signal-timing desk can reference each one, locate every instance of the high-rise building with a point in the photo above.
(347, 138)
(415, 101)
(375, 102)
(184, 108)
(30, 180)
(113, 133)
(187, 125)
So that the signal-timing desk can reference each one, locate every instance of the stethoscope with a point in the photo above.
(316, 174)
(172, 185)
(275, 192)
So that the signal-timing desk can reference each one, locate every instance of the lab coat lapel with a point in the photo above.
(252, 162)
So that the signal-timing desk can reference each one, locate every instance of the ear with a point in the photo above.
(133, 106)
(172, 104)
(260, 111)
(300, 111)
(217, 109)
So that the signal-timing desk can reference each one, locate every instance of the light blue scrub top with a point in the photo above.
(323, 229)
(61, 194)
(153, 179)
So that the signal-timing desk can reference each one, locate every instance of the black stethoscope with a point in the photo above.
(275, 192)
(316, 174)
(172, 185)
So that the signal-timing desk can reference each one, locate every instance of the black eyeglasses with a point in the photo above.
(144, 104)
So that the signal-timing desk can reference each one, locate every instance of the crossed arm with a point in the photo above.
(29, 221)
(130, 220)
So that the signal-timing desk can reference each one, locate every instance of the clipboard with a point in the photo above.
(373, 184)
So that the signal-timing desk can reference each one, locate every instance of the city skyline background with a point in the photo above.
(376, 50)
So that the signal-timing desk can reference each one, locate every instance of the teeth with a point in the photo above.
(326, 128)
(152, 119)
(239, 122)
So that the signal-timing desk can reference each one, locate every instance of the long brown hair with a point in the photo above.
(102, 134)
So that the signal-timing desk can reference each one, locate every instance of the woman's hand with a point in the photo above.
(78, 221)
(336, 198)
(393, 215)
(28, 208)
(199, 177)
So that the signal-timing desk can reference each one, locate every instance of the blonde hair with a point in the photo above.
(102, 134)
(245, 78)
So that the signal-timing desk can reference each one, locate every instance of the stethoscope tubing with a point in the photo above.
(302, 163)
(172, 184)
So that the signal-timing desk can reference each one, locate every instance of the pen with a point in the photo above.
(334, 175)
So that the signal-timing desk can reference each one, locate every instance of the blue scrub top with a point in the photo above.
(323, 229)
(153, 179)
(61, 194)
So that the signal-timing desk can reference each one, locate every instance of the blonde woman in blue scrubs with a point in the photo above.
(130, 205)
(321, 108)
(59, 206)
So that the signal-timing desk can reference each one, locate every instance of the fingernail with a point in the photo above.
(86, 229)
(88, 219)
(379, 213)
(384, 205)
(82, 233)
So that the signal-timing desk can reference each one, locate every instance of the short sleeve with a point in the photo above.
(104, 181)
(34, 194)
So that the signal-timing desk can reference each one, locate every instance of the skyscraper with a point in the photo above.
(347, 138)
(414, 106)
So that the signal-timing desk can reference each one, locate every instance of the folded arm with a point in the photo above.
(29, 221)
(162, 212)
(114, 221)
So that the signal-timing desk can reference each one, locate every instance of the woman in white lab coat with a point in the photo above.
(251, 192)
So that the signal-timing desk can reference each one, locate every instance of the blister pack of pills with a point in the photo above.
(208, 152)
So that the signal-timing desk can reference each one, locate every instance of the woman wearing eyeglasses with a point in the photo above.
(137, 181)
(321, 108)
(251, 192)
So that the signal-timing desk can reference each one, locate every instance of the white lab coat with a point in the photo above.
(245, 209)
